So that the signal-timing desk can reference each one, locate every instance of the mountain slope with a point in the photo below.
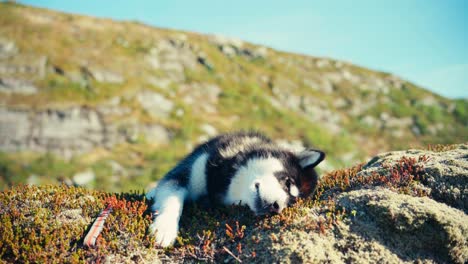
(113, 105)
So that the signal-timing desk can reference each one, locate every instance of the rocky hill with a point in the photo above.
(112, 105)
(401, 207)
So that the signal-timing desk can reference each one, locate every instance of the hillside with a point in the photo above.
(401, 207)
(113, 105)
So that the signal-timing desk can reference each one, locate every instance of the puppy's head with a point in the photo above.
(277, 183)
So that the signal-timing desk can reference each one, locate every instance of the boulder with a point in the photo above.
(24, 66)
(172, 57)
(84, 178)
(155, 134)
(413, 228)
(445, 172)
(64, 132)
(16, 86)
(15, 127)
(7, 48)
(194, 93)
(155, 104)
(104, 75)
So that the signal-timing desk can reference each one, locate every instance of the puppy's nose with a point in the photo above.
(275, 208)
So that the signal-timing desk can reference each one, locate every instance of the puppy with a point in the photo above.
(240, 168)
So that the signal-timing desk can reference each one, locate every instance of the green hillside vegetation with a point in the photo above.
(89, 64)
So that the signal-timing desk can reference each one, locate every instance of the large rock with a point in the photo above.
(172, 57)
(200, 96)
(445, 172)
(7, 48)
(84, 178)
(413, 228)
(15, 129)
(155, 104)
(9, 86)
(105, 76)
(24, 66)
(236, 47)
(64, 132)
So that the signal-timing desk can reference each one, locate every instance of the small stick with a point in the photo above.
(96, 228)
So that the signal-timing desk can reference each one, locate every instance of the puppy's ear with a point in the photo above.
(308, 159)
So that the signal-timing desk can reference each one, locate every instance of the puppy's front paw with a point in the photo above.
(165, 230)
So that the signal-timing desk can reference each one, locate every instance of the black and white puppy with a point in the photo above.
(240, 168)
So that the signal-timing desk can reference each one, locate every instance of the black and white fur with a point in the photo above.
(244, 167)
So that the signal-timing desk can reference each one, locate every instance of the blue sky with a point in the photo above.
(424, 41)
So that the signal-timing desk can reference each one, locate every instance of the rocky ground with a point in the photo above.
(406, 206)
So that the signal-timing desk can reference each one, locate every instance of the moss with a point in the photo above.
(46, 223)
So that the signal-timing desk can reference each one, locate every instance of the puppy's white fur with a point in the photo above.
(168, 207)
(238, 146)
(257, 171)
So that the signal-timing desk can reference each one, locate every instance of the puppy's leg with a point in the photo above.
(168, 205)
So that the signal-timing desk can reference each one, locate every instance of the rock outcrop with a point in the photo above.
(71, 131)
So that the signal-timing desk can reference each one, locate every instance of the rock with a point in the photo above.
(228, 50)
(194, 93)
(112, 107)
(155, 134)
(395, 81)
(414, 227)
(283, 89)
(15, 127)
(161, 82)
(359, 106)
(322, 63)
(24, 66)
(235, 47)
(118, 171)
(64, 132)
(435, 128)
(33, 179)
(350, 77)
(173, 58)
(84, 178)
(7, 48)
(390, 122)
(428, 101)
(75, 129)
(320, 84)
(224, 41)
(105, 76)
(446, 173)
(117, 168)
(209, 130)
(156, 105)
(333, 77)
(17, 86)
(260, 52)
